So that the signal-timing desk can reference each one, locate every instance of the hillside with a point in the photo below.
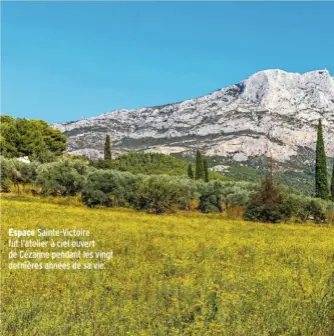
(172, 275)
(271, 112)
(151, 163)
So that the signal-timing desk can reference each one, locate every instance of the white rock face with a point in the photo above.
(272, 111)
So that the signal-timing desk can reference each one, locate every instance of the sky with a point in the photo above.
(64, 61)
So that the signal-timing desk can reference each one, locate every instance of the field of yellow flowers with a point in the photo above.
(184, 274)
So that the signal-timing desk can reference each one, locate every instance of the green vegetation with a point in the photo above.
(190, 171)
(107, 148)
(268, 204)
(65, 177)
(321, 181)
(186, 274)
(211, 199)
(297, 173)
(144, 163)
(206, 170)
(149, 164)
(332, 184)
(192, 272)
(199, 172)
(157, 183)
(159, 193)
(32, 138)
(16, 173)
(109, 188)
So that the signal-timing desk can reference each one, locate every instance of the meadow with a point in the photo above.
(182, 274)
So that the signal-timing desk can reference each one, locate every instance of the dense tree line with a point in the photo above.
(161, 193)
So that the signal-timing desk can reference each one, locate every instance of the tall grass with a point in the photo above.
(186, 274)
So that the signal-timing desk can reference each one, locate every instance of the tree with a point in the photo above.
(22, 137)
(217, 196)
(15, 172)
(161, 193)
(308, 208)
(206, 171)
(269, 204)
(210, 197)
(65, 177)
(10, 174)
(332, 184)
(107, 148)
(199, 174)
(321, 182)
(190, 171)
(109, 188)
(43, 155)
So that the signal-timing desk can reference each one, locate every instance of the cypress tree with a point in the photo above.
(321, 182)
(199, 174)
(206, 171)
(332, 184)
(190, 171)
(107, 148)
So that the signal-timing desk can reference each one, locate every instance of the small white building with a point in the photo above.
(24, 159)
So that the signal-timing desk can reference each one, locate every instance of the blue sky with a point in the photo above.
(64, 61)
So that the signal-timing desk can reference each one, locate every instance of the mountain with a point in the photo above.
(273, 112)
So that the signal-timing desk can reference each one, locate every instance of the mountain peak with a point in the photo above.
(278, 89)
(272, 110)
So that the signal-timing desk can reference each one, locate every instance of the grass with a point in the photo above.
(185, 274)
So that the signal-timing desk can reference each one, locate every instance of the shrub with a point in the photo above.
(217, 195)
(308, 208)
(15, 172)
(269, 204)
(160, 193)
(9, 174)
(5, 185)
(64, 177)
(43, 156)
(101, 164)
(236, 193)
(109, 188)
(28, 172)
(211, 197)
(154, 193)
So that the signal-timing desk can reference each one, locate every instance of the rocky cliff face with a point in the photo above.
(272, 111)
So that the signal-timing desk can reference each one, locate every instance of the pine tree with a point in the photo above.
(321, 182)
(332, 184)
(199, 174)
(107, 148)
(190, 171)
(206, 171)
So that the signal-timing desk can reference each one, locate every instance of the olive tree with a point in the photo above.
(64, 177)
